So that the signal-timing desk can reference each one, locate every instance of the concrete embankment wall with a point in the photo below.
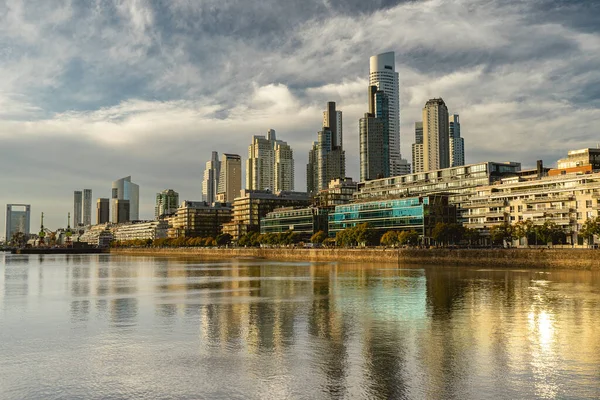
(510, 258)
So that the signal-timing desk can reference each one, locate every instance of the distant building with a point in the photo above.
(373, 137)
(230, 179)
(120, 211)
(339, 191)
(124, 189)
(98, 235)
(167, 203)
(270, 164)
(210, 183)
(579, 162)
(17, 220)
(199, 219)
(417, 149)
(77, 208)
(87, 207)
(140, 230)
(457, 143)
(436, 136)
(102, 211)
(304, 221)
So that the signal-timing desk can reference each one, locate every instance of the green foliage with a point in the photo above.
(590, 228)
(444, 233)
(223, 239)
(410, 238)
(390, 238)
(359, 235)
(318, 237)
(329, 242)
(500, 233)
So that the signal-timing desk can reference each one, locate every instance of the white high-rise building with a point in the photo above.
(124, 189)
(417, 149)
(270, 164)
(457, 143)
(87, 207)
(436, 143)
(210, 183)
(382, 73)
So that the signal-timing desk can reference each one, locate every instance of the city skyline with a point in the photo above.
(63, 122)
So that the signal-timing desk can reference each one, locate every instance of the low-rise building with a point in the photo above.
(98, 235)
(303, 221)
(339, 191)
(199, 219)
(420, 214)
(577, 162)
(140, 230)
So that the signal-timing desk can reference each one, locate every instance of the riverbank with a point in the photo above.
(508, 258)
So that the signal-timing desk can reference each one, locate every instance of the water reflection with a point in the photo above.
(252, 329)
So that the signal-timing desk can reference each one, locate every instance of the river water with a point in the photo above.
(116, 327)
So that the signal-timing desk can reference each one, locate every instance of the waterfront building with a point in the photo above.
(456, 142)
(18, 218)
(566, 200)
(373, 137)
(326, 159)
(436, 136)
(417, 149)
(199, 219)
(167, 203)
(77, 207)
(339, 191)
(98, 235)
(210, 183)
(124, 189)
(87, 207)
(140, 230)
(420, 214)
(270, 164)
(304, 221)
(252, 205)
(578, 161)
(102, 211)
(120, 211)
(383, 75)
(230, 179)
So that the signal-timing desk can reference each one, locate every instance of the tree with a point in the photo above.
(590, 228)
(501, 233)
(524, 229)
(441, 233)
(223, 239)
(390, 238)
(329, 242)
(318, 237)
(364, 235)
(471, 235)
(410, 238)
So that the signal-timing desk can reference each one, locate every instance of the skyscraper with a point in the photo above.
(167, 202)
(87, 207)
(124, 189)
(102, 211)
(327, 159)
(230, 180)
(210, 183)
(17, 220)
(457, 143)
(77, 207)
(121, 211)
(436, 147)
(383, 75)
(417, 148)
(373, 137)
(270, 164)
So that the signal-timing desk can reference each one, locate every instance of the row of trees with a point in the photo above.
(221, 240)
(255, 239)
(548, 232)
(393, 238)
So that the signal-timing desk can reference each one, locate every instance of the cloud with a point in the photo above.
(96, 90)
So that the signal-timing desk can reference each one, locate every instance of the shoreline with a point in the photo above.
(579, 259)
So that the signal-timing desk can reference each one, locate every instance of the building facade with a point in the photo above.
(383, 75)
(578, 161)
(373, 137)
(167, 203)
(210, 183)
(77, 208)
(140, 230)
(417, 149)
(87, 207)
(124, 189)
(102, 211)
(436, 136)
(457, 143)
(199, 219)
(230, 179)
(121, 211)
(339, 191)
(305, 221)
(270, 164)
(18, 218)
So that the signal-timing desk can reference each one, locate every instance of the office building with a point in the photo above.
(383, 75)
(339, 191)
(140, 230)
(230, 179)
(578, 162)
(270, 164)
(373, 137)
(124, 189)
(457, 143)
(121, 210)
(210, 183)
(87, 207)
(199, 219)
(304, 221)
(252, 205)
(18, 218)
(327, 159)
(77, 208)
(102, 211)
(436, 143)
(417, 149)
(167, 203)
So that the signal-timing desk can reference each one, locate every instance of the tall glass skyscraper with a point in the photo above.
(124, 189)
(210, 183)
(457, 143)
(87, 207)
(77, 207)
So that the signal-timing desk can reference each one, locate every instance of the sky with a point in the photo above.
(95, 90)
